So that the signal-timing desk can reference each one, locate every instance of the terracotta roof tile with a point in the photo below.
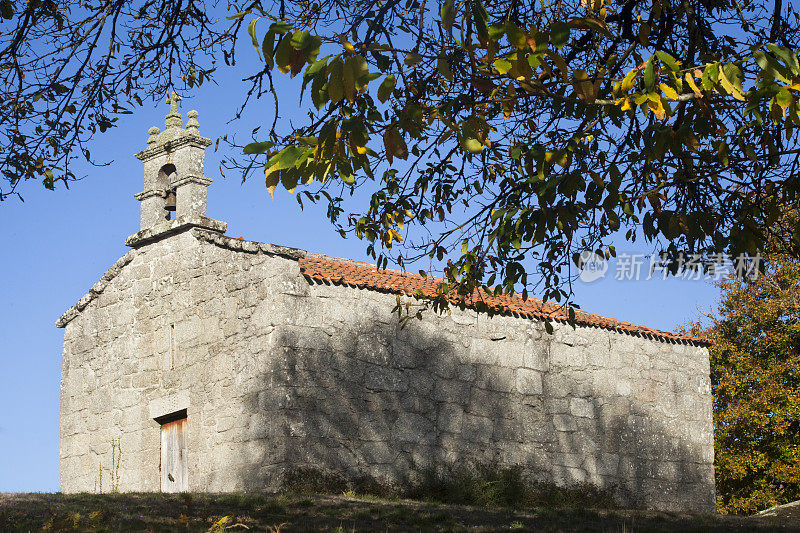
(366, 276)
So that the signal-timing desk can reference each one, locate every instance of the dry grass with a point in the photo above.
(287, 512)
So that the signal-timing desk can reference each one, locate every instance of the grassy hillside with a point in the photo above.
(303, 512)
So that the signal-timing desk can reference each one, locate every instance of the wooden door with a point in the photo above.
(174, 468)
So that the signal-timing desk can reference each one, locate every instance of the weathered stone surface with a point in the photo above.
(303, 375)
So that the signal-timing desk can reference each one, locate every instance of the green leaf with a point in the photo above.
(787, 56)
(412, 59)
(502, 66)
(710, 76)
(299, 39)
(336, 80)
(267, 46)
(649, 75)
(769, 65)
(496, 31)
(289, 179)
(516, 36)
(283, 54)
(258, 147)
(319, 89)
(560, 63)
(386, 88)
(559, 34)
(783, 98)
(480, 18)
(316, 66)
(448, 14)
(237, 16)
(472, 145)
(668, 60)
(271, 175)
(312, 48)
(443, 66)
(285, 158)
(361, 73)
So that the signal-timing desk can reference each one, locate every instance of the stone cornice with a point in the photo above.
(186, 139)
(252, 247)
(171, 227)
(200, 180)
(96, 290)
(148, 193)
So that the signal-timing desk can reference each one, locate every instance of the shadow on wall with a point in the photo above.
(369, 399)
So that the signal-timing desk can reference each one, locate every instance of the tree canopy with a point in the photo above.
(497, 140)
(69, 69)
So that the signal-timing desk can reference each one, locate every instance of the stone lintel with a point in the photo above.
(161, 146)
(171, 227)
(167, 405)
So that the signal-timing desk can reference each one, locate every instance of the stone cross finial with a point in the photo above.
(174, 119)
(173, 100)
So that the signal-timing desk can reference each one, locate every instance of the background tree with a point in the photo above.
(755, 378)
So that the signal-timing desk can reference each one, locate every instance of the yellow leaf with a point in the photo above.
(668, 91)
(560, 158)
(347, 45)
(657, 108)
(695, 89)
(628, 81)
(729, 86)
(272, 176)
(626, 104)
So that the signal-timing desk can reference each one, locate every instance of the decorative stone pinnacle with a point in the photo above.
(192, 124)
(174, 119)
(153, 132)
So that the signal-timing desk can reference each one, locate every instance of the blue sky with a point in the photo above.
(56, 244)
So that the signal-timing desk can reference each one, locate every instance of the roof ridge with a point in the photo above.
(521, 307)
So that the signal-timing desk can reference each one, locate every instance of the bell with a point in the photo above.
(170, 205)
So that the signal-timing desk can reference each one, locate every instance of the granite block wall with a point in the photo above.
(277, 371)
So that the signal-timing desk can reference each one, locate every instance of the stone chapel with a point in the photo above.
(203, 362)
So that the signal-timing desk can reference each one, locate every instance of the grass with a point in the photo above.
(286, 512)
(456, 498)
(460, 483)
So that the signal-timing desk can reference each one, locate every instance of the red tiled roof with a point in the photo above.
(366, 276)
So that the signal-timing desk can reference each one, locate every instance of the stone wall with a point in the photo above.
(278, 371)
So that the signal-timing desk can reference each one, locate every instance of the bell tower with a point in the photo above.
(174, 194)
